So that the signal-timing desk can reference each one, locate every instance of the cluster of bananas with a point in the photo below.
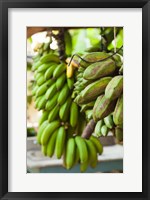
(99, 92)
(83, 151)
(103, 126)
(61, 124)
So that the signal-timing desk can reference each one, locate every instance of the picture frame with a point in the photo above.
(4, 123)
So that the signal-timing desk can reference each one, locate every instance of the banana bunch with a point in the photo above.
(52, 94)
(60, 90)
(83, 151)
(99, 92)
(103, 126)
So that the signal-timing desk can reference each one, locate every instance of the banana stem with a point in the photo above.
(88, 129)
(61, 43)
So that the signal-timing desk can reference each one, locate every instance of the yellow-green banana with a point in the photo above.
(41, 103)
(98, 127)
(34, 90)
(51, 144)
(92, 153)
(109, 121)
(59, 70)
(49, 72)
(73, 114)
(60, 142)
(49, 58)
(44, 67)
(60, 81)
(97, 144)
(36, 65)
(63, 95)
(48, 131)
(43, 117)
(51, 91)
(104, 130)
(52, 102)
(84, 166)
(70, 153)
(44, 150)
(40, 131)
(40, 80)
(65, 109)
(70, 82)
(83, 152)
(43, 88)
(54, 113)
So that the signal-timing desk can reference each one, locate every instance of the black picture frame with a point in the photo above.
(4, 6)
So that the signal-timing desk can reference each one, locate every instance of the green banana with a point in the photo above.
(49, 72)
(51, 144)
(102, 108)
(97, 129)
(41, 103)
(48, 131)
(70, 153)
(87, 106)
(60, 81)
(43, 117)
(52, 102)
(97, 144)
(92, 91)
(44, 67)
(59, 70)
(99, 69)
(93, 164)
(63, 95)
(37, 101)
(89, 114)
(92, 152)
(115, 88)
(36, 57)
(36, 65)
(49, 58)
(44, 150)
(60, 142)
(92, 57)
(64, 110)
(34, 90)
(40, 80)
(43, 88)
(118, 112)
(70, 82)
(109, 121)
(51, 91)
(104, 130)
(40, 131)
(84, 166)
(54, 113)
(73, 114)
(38, 75)
(83, 152)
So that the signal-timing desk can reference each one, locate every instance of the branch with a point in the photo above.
(88, 129)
